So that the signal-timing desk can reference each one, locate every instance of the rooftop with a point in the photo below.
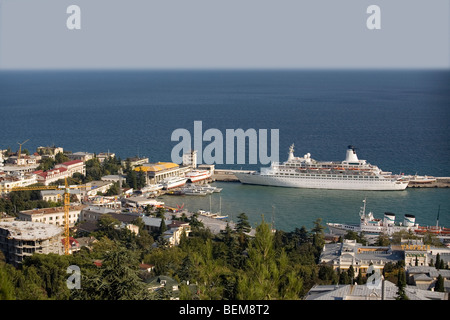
(27, 230)
(53, 210)
(154, 167)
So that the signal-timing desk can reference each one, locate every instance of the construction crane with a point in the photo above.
(20, 150)
(66, 187)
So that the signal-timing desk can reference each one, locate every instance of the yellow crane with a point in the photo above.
(20, 150)
(66, 187)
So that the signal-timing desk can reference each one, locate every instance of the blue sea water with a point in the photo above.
(398, 120)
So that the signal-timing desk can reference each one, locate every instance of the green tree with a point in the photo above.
(51, 269)
(382, 240)
(261, 278)
(351, 274)
(113, 190)
(46, 164)
(438, 261)
(439, 287)
(60, 158)
(117, 279)
(6, 285)
(318, 240)
(242, 225)
(401, 284)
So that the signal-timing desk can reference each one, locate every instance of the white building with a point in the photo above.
(74, 166)
(54, 216)
(190, 159)
(95, 187)
(83, 156)
(16, 179)
(102, 156)
(61, 171)
(58, 195)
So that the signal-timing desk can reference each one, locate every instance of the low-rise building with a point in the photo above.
(350, 253)
(54, 216)
(134, 162)
(82, 156)
(74, 166)
(386, 290)
(58, 195)
(102, 156)
(19, 239)
(16, 179)
(61, 171)
(49, 151)
(50, 176)
(4, 217)
(156, 172)
(95, 187)
(425, 277)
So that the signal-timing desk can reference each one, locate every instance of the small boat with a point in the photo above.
(193, 192)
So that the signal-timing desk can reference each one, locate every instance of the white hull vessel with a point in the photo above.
(350, 174)
(174, 182)
(368, 224)
(198, 175)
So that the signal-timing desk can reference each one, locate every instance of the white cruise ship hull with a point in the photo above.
(322, 183)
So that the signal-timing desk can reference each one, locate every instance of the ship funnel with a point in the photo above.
(351, 155)
(389, 218)
(409, 220)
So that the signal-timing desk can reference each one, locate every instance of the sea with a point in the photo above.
(398, 120)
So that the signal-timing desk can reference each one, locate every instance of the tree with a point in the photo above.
(383, 240)
(242, 225)
(438, 261)
(262, 275)
(60, 158)
(318, 237)
(351, 274)
(6, 285)
(162, 227)
(113, 190)
(401, 284)
(116, 279)
(439, 287)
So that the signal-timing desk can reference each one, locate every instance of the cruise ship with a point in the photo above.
(305, 172)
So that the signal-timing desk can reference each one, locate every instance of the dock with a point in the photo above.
(441, 182)
(227, 175)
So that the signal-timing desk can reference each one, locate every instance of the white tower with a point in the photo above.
(190, 159)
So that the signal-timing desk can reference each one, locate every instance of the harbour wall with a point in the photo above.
(229, 176)
(441, 182)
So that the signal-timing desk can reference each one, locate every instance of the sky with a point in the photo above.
(230, 34)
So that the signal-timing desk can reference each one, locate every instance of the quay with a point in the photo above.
(226, 175)
(440, 182)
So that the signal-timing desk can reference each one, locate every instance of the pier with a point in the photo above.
(440, 182)
(227, 175)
